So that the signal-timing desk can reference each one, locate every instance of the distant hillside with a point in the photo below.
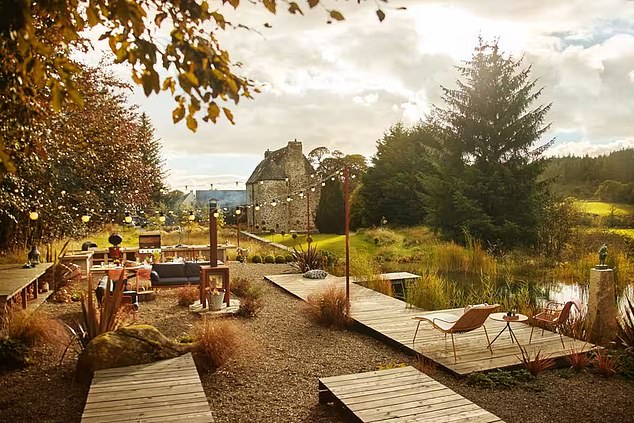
(583, 177)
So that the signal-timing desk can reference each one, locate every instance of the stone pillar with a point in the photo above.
(602, 310)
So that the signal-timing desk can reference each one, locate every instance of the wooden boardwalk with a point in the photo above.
(390, 319)
(165, 391)
(400, 395)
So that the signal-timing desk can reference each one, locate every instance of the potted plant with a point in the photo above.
(214, 298)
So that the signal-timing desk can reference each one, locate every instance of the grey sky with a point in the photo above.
(342, 85)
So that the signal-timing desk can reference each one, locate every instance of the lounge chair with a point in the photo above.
(473, 318)
(554, 315)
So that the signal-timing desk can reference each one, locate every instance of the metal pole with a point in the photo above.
(347, 219)
(238, 223)
(213, 234)
(308, 217)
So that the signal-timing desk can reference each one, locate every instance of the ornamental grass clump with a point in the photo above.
(578, 359)
(329, 307)
(216, 342)
(250, 296)
(606, 364)
(537, 364)
(187, 295)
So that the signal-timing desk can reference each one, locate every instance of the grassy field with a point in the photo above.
(330, 242)
(601, 208)
(627, 232)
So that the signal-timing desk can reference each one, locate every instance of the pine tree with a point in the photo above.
(487, 163)
(330, 218)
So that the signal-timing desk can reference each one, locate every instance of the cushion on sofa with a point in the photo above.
(169, 270)
(192, 269)
(173, 281)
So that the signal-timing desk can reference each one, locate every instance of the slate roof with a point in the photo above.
(271, 168)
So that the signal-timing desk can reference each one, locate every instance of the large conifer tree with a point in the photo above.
(330, 217)
(488, 160)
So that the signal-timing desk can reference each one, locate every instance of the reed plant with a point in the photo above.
(430, 292)
(535, 364)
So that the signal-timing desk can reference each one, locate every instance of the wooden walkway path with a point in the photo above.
(389, 319)
(165, 391)
(400, 395)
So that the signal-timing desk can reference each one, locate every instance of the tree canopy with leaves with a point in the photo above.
(170, 45)
(487, 161)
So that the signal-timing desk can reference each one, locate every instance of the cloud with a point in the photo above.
(583, 148)
(343, 85)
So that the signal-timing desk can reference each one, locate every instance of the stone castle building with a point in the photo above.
(283, 173)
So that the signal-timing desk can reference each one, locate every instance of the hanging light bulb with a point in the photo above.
(288, 198)
(274, 203)
(85, 217)
(127, 218)
(162, 217)
(111, 192)
(323, 184)
(33, 214)
(63, 192)
(216, 213)
(192, 216)
(312, 189)
(261, 182)
(238, 211)
(88, 192)
(257, 207)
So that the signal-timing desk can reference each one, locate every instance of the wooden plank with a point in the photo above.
(391, 320)
(396, 396)
(164, 391)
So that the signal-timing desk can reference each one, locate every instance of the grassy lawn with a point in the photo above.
(627, 232)
(604, 209)
(330, 242)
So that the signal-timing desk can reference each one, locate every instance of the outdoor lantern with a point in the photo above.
(192, 216)
(127, 218)
(257, 207)
(162, 218)
(33, 214)
(34, 256)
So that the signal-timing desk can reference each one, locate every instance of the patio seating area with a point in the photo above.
(391, 320)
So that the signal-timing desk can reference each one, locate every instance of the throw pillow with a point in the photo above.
(315, 274)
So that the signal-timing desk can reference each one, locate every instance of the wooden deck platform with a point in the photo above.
(400, 395)
(391, 320)
(15, 280)
(165, 391)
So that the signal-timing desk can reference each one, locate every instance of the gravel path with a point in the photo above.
(274, 379)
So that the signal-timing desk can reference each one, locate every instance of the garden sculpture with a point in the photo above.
(603, 254)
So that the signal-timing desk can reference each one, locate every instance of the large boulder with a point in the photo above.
(127, 346)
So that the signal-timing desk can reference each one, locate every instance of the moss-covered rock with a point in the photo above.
(127, 346)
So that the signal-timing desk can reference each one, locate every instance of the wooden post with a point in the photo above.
(346, 175)
(308, 217)
(213, 233)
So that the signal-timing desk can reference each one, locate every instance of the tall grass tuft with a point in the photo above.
(537, 364)
(578, 359)
(606, 364)
(329, 307)
(626, 326)
(430, 292)
(216, 341)
(33, 329)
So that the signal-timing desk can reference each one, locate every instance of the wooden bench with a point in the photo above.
(400, 395)
(164, 391)
(16, 280)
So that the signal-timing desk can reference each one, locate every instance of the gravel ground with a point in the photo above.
(274, 378)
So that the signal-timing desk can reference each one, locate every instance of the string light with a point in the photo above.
(33, 214)
(85, 217)
(127, 218)
(161, 217)
(288, 198)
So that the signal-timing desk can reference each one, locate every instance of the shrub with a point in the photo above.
(537, 364)
(240, 258)
(256, 259)
(13, 353)
(499, 378)
(279, 259)
(33, 329)
(329, 307)
(240, 285)
(187, 295)
(288, 258)
(578, 360)
(606, 363)
(269, 259)
(308, 259)
(217, 341)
